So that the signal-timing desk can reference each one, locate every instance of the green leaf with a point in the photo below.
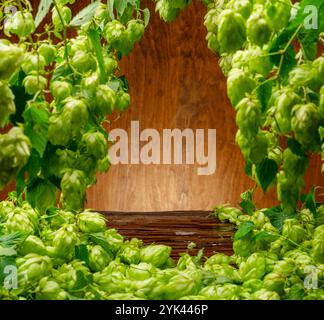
(12, 239)
(33, 165)
(62, 71)
(295, 147)
(265, 236)
(95, 40)
(289, 60)
(302, 14)
(244, 230)
(43, 9)
(308, 38)
(8, 252)
(247, 202)
(82, 253)
(147, 16)
(276, 216)
(85, 15)
(21, 99)
(266, 172)
(20, 182)
(264, 92)
(81, 281)
(41, 194)
(120, 6)
(36, 127)
(99, 238)
(111, 9)
(114, 85)
(310, 202)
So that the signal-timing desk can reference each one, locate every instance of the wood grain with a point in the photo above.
(175, 82)
(177, 229)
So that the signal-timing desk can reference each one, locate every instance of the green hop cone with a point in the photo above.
(75, 112)
(61, 90)
(243, 7)
(59, 131)
(114, 33)
(83, 62)
(98, 258)
(253, 60)
(231, 33)
(274, 282)
(48, 52)
(90, 84)
(122, 101)
(135, 30)
(243, 247)
(294, 231)
(226, 213)
(258, 27)
(21, 24)
(248, 117)
(254, 267)
(218, 258)
(239, 83)
(73, 186)
(303, 75)
(96, 144)
(284, 104)
(67, 275)
(212, 42)
(14, 153)
(166, 10)
(130, 255)
(7, 103)
(278, 13)
(90, 222)
(5, 208)
(294, 165)
(32, 244)
(114, 239)
(31, 268)
(265, 294)
(210, 21)
(104, 101)
(19, 221)
(65, 240)
(157, 255)
(34, 83)
(65, 13)
(141, 271)
(11, 57)
(318, 249)
(304, 123)
(33, 63)
(285, 267)
(111, 64)
(182, 284)
(253, 285)
(49, 289)
(288, 191)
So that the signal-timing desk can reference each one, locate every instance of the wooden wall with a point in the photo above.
(175, 82)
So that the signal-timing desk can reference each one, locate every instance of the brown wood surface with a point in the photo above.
(177, 229)
(175, 82)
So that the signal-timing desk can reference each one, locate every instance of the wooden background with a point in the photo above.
(175, 82)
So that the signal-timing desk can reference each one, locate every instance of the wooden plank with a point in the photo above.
(176, 229)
